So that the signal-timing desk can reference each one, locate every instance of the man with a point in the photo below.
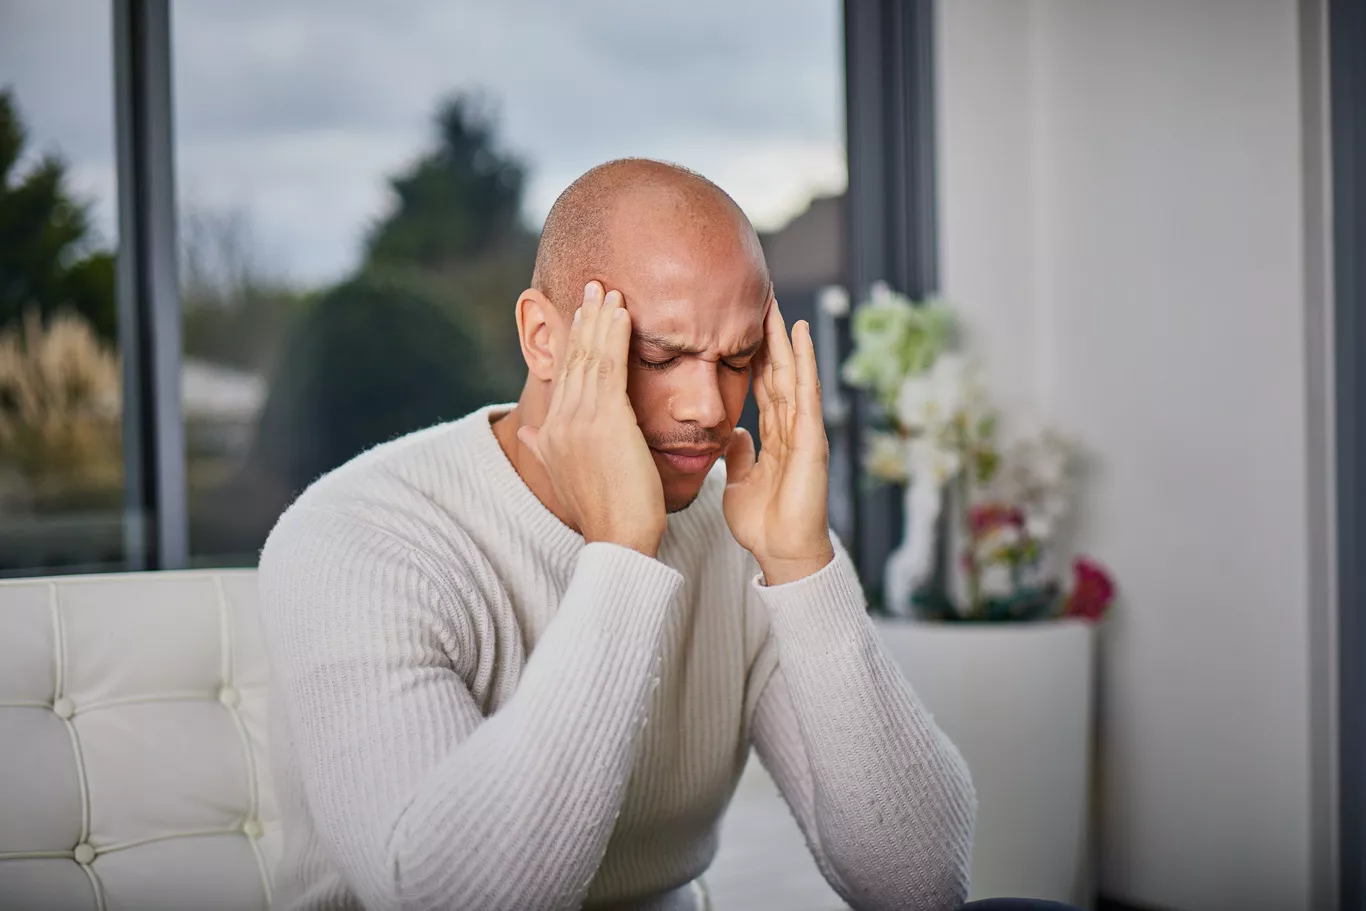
(520, 658)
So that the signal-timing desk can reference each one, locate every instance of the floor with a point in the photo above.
(763, 864)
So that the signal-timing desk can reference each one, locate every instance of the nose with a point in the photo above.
(697, 398)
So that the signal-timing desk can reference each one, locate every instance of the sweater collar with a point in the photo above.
(559, 540)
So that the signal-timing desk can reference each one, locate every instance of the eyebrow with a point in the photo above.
(664, 343)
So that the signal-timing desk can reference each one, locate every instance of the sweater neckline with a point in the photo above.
(550, 531)
(561, 541)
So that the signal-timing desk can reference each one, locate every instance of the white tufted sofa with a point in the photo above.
(133, 768)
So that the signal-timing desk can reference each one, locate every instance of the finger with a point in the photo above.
(577, 351)
(612, 302)
(758, 374)
(562, 350)
(779, 351)
(808, 379)
(739, 456)
(593, 293)
(597, 363)
(617, 348)
(762, 372)
(781, 384)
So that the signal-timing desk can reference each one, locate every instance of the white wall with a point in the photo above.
(1123, 204)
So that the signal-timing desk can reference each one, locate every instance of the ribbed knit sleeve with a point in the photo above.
(422, 801)
(883, 797)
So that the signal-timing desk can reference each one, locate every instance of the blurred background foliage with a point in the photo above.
(421, 331)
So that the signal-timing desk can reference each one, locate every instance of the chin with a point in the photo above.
(678, 500)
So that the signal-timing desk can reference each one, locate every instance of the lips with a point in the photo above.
(689, 459)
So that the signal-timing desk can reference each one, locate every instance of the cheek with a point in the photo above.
(649, 395)
(734, 388)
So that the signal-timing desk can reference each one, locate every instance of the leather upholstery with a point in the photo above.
(133, 767)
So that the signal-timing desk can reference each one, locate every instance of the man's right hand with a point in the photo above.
(590, 443)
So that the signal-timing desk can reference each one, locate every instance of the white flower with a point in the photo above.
(1034, 474)
(886, 456)
(915, 404)
(1046, 455)
(931, 399)
(932, 462)
(1039, 526)
(872, 368)
(1050, 454)
(995, 581)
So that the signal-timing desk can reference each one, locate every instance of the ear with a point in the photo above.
(538, 325)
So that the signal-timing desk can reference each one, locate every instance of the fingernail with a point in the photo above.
(588, 290)
(619, 314)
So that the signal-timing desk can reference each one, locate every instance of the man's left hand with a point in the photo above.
(776, 506)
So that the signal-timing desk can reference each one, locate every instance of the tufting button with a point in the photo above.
(84, 853)
(64, 707)
(252, 829)
(228, 696)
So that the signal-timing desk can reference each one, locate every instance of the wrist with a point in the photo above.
(780, 571)
(646, 543)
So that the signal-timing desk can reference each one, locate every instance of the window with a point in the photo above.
(361, 188)
(61, 457)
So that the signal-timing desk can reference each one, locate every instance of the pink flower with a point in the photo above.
(1092, 591)
(984, 517)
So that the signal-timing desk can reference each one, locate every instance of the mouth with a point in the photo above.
(689, 459)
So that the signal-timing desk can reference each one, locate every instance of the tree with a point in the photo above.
(423, 332)
(374, 358)
(460, 201)
(236, 311)
(49, 259)
(456, 221)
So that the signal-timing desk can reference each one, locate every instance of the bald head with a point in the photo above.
(595, 223)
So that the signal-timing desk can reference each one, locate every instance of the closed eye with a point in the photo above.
(732, 366)
(657, 365)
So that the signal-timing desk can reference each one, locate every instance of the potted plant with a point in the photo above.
(976, 611)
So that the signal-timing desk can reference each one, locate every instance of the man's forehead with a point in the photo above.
(692, 330)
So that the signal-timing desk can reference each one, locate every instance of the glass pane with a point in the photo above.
(61, 459)
(361, 195)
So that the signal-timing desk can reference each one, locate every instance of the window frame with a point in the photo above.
(891, 231)
(156, 517)
(1347, 126)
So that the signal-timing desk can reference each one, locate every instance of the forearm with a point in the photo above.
(420, 799)
(519, 814)
(888, 800)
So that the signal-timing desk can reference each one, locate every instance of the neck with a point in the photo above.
(523, 460)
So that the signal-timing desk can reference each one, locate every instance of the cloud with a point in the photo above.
(296, 111)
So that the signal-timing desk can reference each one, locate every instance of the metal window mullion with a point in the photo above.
(157, 526)
(890, 220)
(1347, 91)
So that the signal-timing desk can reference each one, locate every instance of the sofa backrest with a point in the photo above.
(133, 768)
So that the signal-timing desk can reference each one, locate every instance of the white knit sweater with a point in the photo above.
(475, 710)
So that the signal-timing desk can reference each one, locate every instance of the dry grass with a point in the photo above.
(59, 406)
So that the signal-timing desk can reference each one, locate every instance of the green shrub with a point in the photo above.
(375, 358)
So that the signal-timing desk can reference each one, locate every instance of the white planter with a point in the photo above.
(1017, 701)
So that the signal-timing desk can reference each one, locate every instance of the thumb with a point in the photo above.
(529, 437)
(739, 455)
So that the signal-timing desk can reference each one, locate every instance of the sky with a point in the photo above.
(290, 114)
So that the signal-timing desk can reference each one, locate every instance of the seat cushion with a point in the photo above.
(133, 768)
